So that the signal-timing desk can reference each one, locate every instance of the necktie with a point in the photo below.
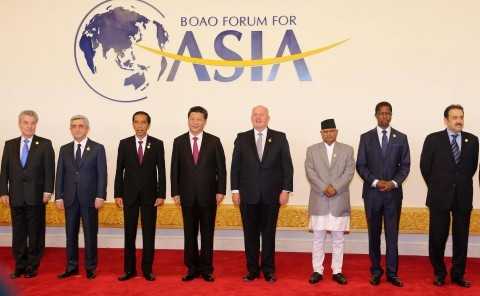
(384, 143)
(140, 152)
(195, 150)
(259, 145)
(455, 149)
(24, 155)
(78, 154)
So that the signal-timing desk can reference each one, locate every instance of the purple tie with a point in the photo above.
(140, 152)
(195, 150)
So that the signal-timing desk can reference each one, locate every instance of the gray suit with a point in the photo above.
(320, 174)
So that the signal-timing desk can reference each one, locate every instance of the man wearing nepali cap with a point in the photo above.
(329, 168)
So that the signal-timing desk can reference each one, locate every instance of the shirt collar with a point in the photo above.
(264, 131)
(329, 146)
(25, 138)
(199, 136)
(83, 142)
(144, 139)
(451, 133)
(380, 129)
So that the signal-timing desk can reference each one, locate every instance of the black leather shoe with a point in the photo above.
(395, 280)
(30, 273)
(462, 282)
(251, 277)
(208, 277)
(91, 274)
(190, 276)
(339, 278)
(68, 273)
(126, 276)
(270, 277)
(17, 273)
(375, 279)
(439, 281)
(149, 276)
(315, 278)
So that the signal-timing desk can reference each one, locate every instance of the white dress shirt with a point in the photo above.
(199, 140)
(380, 136)
(264, 137)
(329, 152)
(144, 143)
(83, 144)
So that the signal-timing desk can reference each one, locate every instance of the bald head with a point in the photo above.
(260, 117)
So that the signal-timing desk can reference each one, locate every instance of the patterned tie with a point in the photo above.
(455, 148)
(195, 150)
(259, 145)
(384, 143)
(24, 155)
(140, 152)
(78, 155)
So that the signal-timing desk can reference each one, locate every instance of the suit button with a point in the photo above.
(76, 173)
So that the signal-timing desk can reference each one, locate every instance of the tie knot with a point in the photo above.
(454, 136)
(79, 145)
(26, 141)
(140, 142)
(260, 134)
(195, 138)
(384, 132)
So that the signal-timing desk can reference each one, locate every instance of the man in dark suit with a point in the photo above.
(140, 186)
(80, 190)
(448, 162)
(383, 163)
(26, 185)
(261, 180)
(198, 179)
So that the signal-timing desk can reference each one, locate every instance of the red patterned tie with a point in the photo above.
(195, 150)
(140, 152)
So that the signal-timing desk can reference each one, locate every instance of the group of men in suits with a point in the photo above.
(448, 162)
(261, 181)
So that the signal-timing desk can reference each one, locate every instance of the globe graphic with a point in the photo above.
(106, 51)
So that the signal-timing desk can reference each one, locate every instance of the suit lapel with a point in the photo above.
(376, 140)
(202, 148)
(449, 147)
(465, 143)
(253, 144)
(133, 149)
(323, 154)
(268, 144)
(17, 150)
(33, 148)
(188, 148)
(86, 152)
(391, 140)
(334, 155)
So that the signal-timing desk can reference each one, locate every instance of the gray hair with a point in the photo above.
(30, 113)
(80, 117)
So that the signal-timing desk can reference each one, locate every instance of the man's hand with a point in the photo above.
(389, 185)
(159, 202)
(5, 199)
(176, 199)
(236, 199)
(119, 202)
(329, 191)
(219, 198)
(99, 202)
(59, 203)
(381, 185)
(46, 197)
(283, 198)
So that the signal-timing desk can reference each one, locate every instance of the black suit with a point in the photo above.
(197, 186)
(386, 206)
(450, 190)
(79, 184)
(26, 186)
(139, 185)
(260, 182)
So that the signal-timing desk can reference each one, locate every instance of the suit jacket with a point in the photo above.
(339, 173)
(372, 165)
(85, 181)
(146, 180)
(449, 185)
(261, 180)
(200, 182)
(27, 185)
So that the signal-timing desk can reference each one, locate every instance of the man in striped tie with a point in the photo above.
(448, 162)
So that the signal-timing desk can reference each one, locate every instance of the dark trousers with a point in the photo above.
(387, 208)
(89, 218)
(260, 222)
(149, 221)
(438, 234)
(195, 217)
(28, 236)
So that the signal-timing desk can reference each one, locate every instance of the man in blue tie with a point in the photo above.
(26, 185)
(383, 163)
(448, 162)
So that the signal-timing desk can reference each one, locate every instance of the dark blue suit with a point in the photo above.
(79, 184)
(372, 165)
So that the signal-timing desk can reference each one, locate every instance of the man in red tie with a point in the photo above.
(198, 179)
(140, 187)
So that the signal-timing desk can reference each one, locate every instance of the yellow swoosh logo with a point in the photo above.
(241, 63)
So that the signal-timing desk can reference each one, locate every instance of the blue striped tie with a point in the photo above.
(455, 148)
(24, 154)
